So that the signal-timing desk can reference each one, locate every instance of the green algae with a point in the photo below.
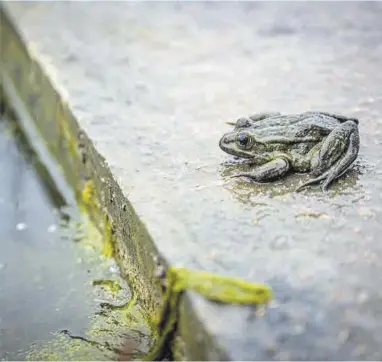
(88, 194)
(109, 238)
(108, 331)
(90, 205)
(218, 288)
(112, 285)
(62, 348)
(213, 287)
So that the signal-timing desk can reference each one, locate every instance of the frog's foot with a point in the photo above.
(338, 152)
(269, 171)
(311, 182)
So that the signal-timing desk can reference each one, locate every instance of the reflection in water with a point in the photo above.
(52, 289)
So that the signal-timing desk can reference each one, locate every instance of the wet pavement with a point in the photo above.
(57, 291)
(153, 85)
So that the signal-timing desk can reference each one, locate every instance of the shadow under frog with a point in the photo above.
(324, 144)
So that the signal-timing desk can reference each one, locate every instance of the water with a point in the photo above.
(57, 291)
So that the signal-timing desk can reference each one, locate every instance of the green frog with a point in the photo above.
(321, 143)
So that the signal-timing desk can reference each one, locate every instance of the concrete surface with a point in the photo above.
(153, 83)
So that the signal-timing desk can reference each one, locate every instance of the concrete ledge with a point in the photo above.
(151, 86)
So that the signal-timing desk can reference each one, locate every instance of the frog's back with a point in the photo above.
(278, 120)
(305, 127)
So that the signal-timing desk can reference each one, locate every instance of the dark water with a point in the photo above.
(57, 290)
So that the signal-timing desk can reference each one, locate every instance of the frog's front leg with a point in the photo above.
(269, 171)
(338, 151)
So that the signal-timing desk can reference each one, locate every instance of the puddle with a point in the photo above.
(60, 298)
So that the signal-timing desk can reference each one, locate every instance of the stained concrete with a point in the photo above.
(153, 85)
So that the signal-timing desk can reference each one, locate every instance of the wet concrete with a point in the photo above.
(153, 83)
(57, 291)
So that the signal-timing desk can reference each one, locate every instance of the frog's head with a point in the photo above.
(241, 143)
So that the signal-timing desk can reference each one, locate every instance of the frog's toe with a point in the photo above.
(325, 187)
(311, 182)
(300, 188)
(247, 175)
(328, 181)
(236, 175)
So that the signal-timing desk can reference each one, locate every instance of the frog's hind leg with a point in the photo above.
(269, 171)
(338, 152)
(340, 117)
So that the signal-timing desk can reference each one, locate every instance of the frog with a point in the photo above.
(216, 288)
(320, 143)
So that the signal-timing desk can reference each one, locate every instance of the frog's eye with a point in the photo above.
(244, 140)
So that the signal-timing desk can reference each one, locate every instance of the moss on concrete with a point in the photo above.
(213, 287)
